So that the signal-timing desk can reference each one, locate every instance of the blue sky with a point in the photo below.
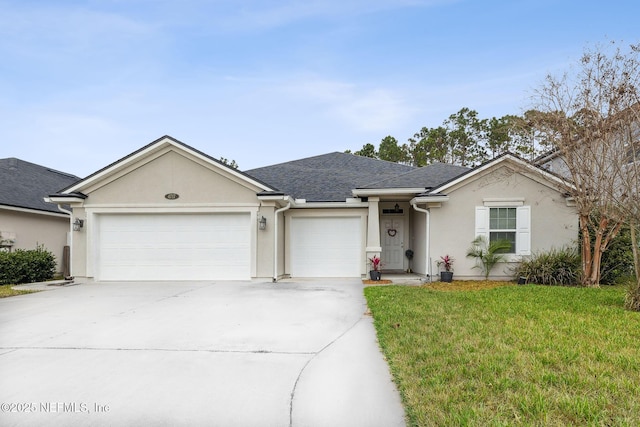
(84, 83)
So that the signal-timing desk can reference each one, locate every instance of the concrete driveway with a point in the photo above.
(215, 354)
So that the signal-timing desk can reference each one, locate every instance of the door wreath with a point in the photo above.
(392, 232)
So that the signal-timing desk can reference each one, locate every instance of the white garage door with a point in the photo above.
(174, 247)
(326, 247)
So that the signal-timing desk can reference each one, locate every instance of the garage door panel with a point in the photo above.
(326, 246)
(174, 247)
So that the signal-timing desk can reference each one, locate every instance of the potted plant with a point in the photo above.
(409, 254)
(446, 262)
(374, 273)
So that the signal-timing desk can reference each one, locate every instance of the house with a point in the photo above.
(26, 221)
(170, 212)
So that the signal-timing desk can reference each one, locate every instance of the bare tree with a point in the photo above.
(628, 194)
(588, 111)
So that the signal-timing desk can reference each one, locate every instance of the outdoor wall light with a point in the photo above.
(78, 224)
(262, 223)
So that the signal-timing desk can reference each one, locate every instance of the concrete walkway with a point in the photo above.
(227, 354)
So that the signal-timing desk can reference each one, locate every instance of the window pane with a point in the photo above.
(509, 236)
(511, 219)
(493, 218)
(502, 219)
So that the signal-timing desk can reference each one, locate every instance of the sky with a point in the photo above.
(84, 83)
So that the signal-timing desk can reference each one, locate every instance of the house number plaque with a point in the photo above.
(171, 196)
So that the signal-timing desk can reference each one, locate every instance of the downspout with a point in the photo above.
(275, 241)
(427, 237)
(61, 209)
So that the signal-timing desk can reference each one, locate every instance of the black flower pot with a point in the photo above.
(375, 275)
(446, 276)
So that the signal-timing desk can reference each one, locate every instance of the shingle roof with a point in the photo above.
(425, 177)
(24, 184)
(328, 177)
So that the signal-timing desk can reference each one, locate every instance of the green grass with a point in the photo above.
(516, 355)
(6, 291)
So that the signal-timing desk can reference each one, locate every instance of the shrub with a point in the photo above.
(26, 266)
(617, 261)
(555, 267)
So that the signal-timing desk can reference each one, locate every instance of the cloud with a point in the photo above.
(363, 108)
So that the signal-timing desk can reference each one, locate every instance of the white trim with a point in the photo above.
(429, 199)
(34, 211)
(365, 192)
(427, 243)
(170, 209)
(69, 200)
(319, 205)
(171, 205)
(482, 222)
(523, 230)
(508, 202)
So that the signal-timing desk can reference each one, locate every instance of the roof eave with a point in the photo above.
(368, 192)
(436, 198)
(65, 198)
(34, 211)
(349, 203)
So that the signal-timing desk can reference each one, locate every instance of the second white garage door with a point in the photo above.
(326, 246)
(174, 247)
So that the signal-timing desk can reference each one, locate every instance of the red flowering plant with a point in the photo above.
(375, 262)
(446, 262)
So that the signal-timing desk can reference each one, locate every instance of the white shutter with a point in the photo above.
(482, 222)
(523, 230)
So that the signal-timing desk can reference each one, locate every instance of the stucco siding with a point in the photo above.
(171, 172)
(33, 229)
(553, 223)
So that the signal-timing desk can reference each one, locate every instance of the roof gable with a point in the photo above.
(538, 174)
(152, 151)
(25, 185)
(329, 177)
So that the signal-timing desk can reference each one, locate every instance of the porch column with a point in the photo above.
(373, 229)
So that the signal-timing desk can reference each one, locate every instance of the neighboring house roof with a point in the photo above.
(424, 177)
(25, 185)
(329, 177)
(546, 157)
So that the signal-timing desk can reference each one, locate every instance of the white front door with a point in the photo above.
(392, 240)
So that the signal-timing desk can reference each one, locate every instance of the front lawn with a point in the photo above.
(514, 355)
(6, 291)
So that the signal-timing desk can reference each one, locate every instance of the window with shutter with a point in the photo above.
(509, 223)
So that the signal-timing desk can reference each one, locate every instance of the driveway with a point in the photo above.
(215, 354)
